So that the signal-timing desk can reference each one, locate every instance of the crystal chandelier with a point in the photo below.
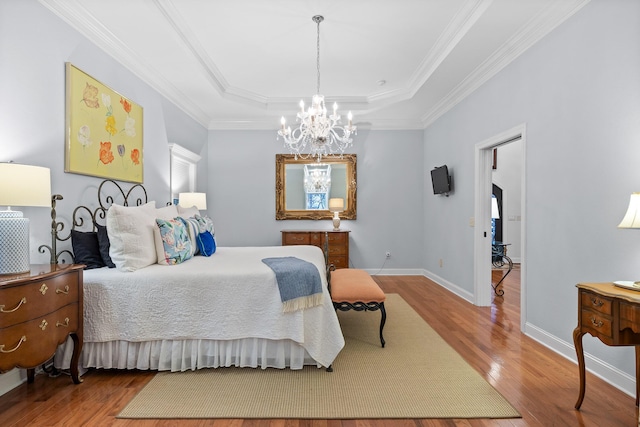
(318, 133)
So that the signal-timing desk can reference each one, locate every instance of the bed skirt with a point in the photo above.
(184, 355)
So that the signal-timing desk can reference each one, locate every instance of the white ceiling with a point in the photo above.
(241, 64)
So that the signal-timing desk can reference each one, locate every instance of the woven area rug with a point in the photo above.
(416, 375)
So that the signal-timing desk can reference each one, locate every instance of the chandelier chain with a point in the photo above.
(318, 20)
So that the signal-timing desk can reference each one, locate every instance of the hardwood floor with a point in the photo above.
(542, 385)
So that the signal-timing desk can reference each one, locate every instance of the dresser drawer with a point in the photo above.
(337, 250)
(597, 322)
(339, 261)
(29, 344)
(596, 302)
(630, 316)
(338, 238)
(21, 303)
(296, 239)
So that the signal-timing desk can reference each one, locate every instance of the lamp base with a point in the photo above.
(14, 242)
(336, 221)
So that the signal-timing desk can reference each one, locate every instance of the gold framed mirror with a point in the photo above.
(304, 186)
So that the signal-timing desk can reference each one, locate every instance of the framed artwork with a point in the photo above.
(103, 130)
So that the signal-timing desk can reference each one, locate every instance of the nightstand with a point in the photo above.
(38, 311)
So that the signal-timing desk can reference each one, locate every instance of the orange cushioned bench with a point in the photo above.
(353, 289)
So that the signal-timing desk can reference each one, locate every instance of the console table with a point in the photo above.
(336, 241)
(611, 314)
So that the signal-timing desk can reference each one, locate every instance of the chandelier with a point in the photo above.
(318, 133)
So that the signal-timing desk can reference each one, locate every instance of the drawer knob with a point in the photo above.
(43, 289)
(597, 302)
(22, 301)
(43, 325)
(63, 291)
(597, 324)
(65, 324)
(23, 339)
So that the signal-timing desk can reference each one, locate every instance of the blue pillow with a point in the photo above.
(103, 243)
(206, 243)
(86, 249)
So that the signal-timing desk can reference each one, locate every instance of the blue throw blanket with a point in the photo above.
(299, 282)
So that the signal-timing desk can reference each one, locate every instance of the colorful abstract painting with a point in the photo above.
(104, 130)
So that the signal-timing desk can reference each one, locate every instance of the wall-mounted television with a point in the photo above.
(441, 180)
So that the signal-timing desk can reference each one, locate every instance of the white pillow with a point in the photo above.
(130, 231)
(188, 212)
(167, 212)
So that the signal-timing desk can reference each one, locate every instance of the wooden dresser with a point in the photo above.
(611, 314)
(338, 243)
(38, 311)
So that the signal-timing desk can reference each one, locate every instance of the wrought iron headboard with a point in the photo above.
(83, 215)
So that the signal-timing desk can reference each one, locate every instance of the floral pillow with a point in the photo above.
(173, 245)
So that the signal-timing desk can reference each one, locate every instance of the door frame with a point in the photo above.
(482, 217)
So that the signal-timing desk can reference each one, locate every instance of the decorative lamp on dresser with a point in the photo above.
(337, 243)
(39, 309)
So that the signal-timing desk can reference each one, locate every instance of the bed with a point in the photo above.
(205, 312)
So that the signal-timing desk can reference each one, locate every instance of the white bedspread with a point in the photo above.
(230, 295)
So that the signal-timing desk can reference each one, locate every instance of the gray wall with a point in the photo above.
(32, 107)
(390, 186)
(34, 46)
(578, 91)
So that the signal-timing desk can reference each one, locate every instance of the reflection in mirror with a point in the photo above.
(303, 188)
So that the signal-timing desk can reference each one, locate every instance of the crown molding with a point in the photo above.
(537, 28)
(78, 17)
(271, 124)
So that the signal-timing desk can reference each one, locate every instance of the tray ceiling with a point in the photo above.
(242, 64)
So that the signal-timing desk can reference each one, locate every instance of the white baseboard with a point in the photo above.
(601, 369)
(462, 293)
(11, 380)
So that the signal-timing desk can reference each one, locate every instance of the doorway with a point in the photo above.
(484, 160)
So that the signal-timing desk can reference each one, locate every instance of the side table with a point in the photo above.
(612, 315)
(39, 309)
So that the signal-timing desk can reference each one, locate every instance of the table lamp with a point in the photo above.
(199, 200)
(336, 205)
(20, 185)
(632, 217)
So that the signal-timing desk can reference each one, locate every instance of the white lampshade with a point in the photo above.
(20, 185)
(495, 213)
(632, 217)
(336, 205)
(24, 185)
(199, 200)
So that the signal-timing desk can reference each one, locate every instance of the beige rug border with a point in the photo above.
(375, 386)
